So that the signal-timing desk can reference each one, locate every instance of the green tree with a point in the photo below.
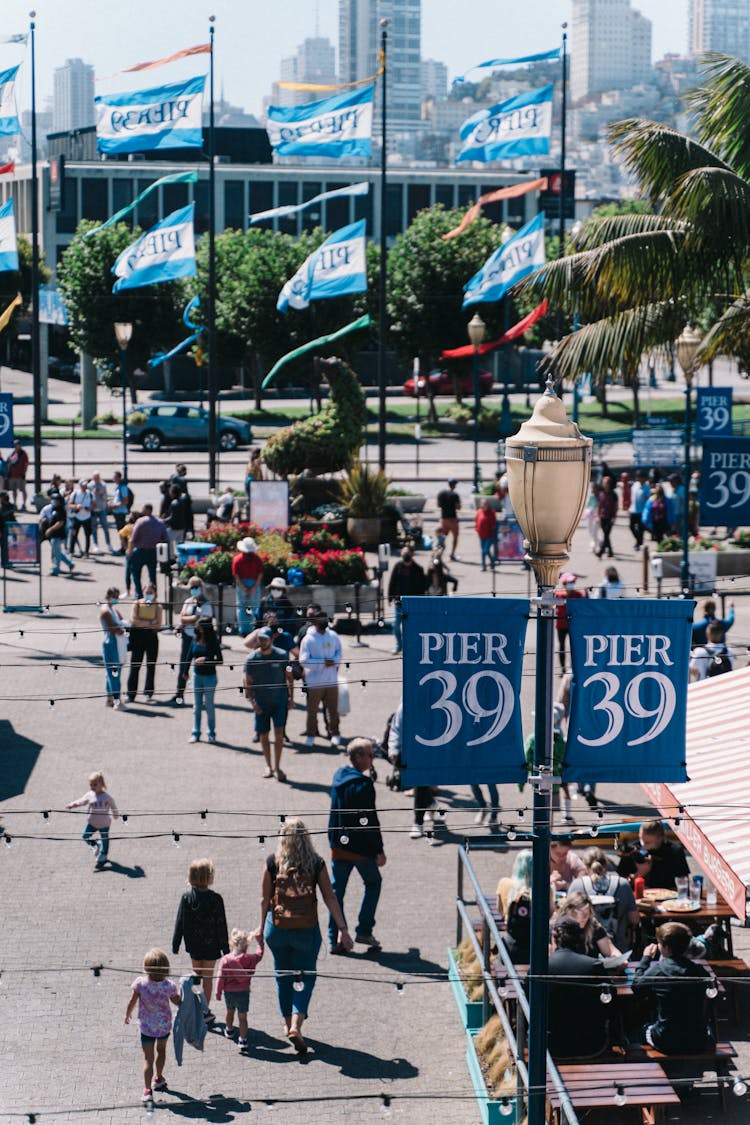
(85, 279)
(636, 278)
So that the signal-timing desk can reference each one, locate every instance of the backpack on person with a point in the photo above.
(294, 904)
(719, 662)
(518, 922)
(604, 903)
(129, 497)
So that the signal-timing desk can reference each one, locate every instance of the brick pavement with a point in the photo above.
(66, 1047)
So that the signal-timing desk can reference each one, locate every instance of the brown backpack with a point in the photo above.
(294, 905)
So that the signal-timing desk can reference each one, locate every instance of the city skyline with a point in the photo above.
(172, 26)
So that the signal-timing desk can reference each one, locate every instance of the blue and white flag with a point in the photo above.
(463, 660)
(521, 255)
(337, 268)
(281, 212)
(9, 124)
(337, 126)
(164, 253)
(519, 127)
(542, 56)
(146, 120)
(8, 243)
(628, 700)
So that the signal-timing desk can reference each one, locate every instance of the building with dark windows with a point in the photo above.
(720, 25)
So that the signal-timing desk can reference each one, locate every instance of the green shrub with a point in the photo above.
(365, 491)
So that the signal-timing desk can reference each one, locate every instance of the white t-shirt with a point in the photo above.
(191, 607)
(315, 649)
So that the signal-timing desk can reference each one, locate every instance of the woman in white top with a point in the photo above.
(114, 646)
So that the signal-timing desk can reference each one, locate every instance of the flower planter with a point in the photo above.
(733, 561)
(333, 599)
(489, 1108)
(363, 531)
(469, 1010)
(408, 503)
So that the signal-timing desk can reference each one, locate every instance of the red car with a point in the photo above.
(446, 383)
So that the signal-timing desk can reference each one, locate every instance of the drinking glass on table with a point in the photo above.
(681, 883)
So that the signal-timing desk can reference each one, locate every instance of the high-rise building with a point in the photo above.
(359, 46)
(611, 47)
(720, 25)
(314, 62)
(73, 103)
(434, 79)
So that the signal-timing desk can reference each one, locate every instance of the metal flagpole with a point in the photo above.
(382, 312)
(212, 373)
(36, 375)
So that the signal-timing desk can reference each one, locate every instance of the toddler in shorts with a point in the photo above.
(236, 971)
(153, 993)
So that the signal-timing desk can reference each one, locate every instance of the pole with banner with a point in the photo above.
(725, 482)
(713, 412)
(6, 420)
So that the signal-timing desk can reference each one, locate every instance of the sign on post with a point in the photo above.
(6, 420)
(462, 677)
(269, 503)
(714, 412)
(725, 482)
(658, 447)
(629, 690)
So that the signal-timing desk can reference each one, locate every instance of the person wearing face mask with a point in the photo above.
(114, 646)
(275, 600)
(195, 608)
(145, 623)
(565, 590)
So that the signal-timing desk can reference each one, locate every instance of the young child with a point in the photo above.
(235, 974)
(201, 921)
(153, 993)
(102, 808)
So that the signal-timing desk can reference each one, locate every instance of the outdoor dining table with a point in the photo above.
(696, 920)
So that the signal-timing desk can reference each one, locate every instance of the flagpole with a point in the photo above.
(35, 358)
(563, 193)
(212, 373)
(382, 312)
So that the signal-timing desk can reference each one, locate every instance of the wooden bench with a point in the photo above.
(594, 1084)
(718, 1059)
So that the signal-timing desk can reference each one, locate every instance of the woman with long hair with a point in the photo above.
(289, 922)
(205, 655)
(580, 908)
(114, 646)
(600, 880)
(514, 901)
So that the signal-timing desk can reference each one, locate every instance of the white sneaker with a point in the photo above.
(416, 832)
(310, 740)
(193, 738)
(479, 818)
(336, 740)
(119, 705)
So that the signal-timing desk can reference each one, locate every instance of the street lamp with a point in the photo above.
(686, 348)
(476, 329)
(549, 467)
(123, 335)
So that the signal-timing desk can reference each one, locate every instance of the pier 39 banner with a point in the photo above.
(629, 690)
(462, 677)
(148, 120)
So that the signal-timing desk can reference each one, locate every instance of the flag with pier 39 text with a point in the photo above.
(628, 701)
(463, 660)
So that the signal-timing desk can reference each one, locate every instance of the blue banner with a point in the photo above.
(520, 126)
(148, 120)
(714, 412)
(463, 659)
(725, 482)
(8, 243)
(9, 125)
(164, 253)
(516, 259)
(541, 56)
(335, 127)
(629, 690)
(338, 267)
(6, 420)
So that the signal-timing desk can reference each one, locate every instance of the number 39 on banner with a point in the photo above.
(629, 690)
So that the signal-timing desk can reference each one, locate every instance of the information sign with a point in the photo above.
(269, 503)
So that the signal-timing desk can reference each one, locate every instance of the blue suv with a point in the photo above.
(178, 423)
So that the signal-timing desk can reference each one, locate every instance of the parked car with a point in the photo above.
(446, 382)
(177, 423)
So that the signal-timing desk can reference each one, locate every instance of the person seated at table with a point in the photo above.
(514, 902)
(577, 1021)
(658, 860)
(619, 915)
(678, 985)
(595, 941)
(564, 866)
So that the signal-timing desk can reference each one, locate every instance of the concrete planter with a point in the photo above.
(333, 599)
(495, 501)
(734, 561)
(470, 1011)
(407, 504)
(489, 1108)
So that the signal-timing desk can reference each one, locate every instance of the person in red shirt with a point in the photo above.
(566, 589)
(485, 525)
(247, 570)
(17, 467)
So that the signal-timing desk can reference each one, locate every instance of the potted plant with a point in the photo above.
(492, 1071)
(364, 492)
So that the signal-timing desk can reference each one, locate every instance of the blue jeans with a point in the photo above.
(143, 556)
(488, 551)
(369, 873)
(398, 613)
(89, 831)
(204, 689)
(248, 604)
(100, 518)
(58, 555)
(494, 799)
(293, 951)
(112, 666)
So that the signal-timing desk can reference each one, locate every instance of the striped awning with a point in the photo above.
(711, 811)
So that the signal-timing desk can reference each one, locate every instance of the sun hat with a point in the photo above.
(247, 546)
(278, 583)
(567, 578)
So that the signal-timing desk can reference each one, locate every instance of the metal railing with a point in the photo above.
(491, 1000)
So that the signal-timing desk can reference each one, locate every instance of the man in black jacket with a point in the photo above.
(355, 839)
(659, 861)
(407, 580)
(577, 1018)
(679, 988)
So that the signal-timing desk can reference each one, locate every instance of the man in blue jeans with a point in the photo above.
(356, 842)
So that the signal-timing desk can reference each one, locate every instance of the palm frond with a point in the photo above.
(722, 107)
(618, 341)
(658, 155)
(715, 205)
(596, 232)
(730, 334)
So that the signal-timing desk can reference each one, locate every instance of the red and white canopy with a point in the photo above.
(711, 811)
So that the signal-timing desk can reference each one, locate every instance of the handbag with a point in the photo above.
(344, 705)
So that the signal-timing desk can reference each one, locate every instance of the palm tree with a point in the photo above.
(635, 279)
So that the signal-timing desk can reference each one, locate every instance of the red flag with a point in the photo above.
(512, 334)
(7, 169)
(201, 49)
(493, 197)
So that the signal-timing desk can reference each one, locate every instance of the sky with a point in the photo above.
(253, 35)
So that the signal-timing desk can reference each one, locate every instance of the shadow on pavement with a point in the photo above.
(411, 961)
(217, 1109)
(136, 872)
(18, 756)
(360, 1064)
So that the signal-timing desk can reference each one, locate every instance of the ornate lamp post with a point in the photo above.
(476, 329)
(686, 348)
(549, 467)
(123, 335)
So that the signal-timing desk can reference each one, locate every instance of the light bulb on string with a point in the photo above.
(45, 814)
(344, 839)
(364, 821)
(594, 830)
(176, 839)
(712, 990)
(261, 841)
(7, 840)
(400, 987)
(149, 1106)
(606, 995)
(52, 703)
(298, 984)
(97, 971)
(204, 814)
(124, 817)
(385, 1105)
(520, 813)
(621, 1097)
(739, 1087)
(506, 1107)
(282, 818)
(511, 833)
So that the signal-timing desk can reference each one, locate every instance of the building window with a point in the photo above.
(94, 199)
(66, 219)
(288, 198)
(148, 211)
(337, 211)
(261, 199)
(175, 197)
(394, 199)
(234, 204)
(363, 210)
(418, 198)
(122, 196)
(201, 206)
(444, 195)
(311, 216)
